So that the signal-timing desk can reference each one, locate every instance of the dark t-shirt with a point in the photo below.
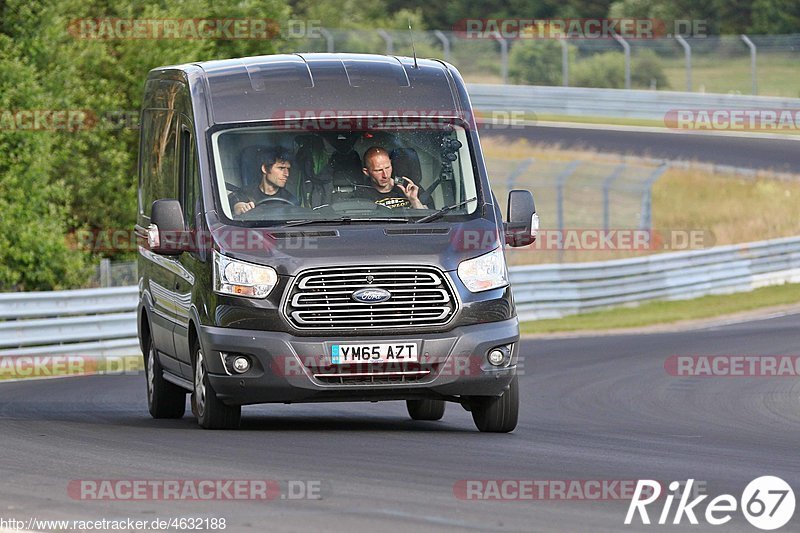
(391, 199)
(255, 195)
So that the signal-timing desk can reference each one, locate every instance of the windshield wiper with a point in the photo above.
(342, 220)
(441, 212)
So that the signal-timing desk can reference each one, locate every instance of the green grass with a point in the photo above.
(600, 120)
(777, 74)
(666, 312)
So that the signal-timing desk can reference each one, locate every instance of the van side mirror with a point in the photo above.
(166, 231)
(522, 221)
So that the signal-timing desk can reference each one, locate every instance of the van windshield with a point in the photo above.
(267, 176)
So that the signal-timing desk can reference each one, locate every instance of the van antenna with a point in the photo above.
(413, 48)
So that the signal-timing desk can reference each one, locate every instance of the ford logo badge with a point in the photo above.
(371, 295)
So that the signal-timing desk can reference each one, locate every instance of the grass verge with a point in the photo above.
(668, 312)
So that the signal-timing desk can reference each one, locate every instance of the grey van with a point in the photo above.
(323, 288)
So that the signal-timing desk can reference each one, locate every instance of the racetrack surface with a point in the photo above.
(747, 152)
(593, 408)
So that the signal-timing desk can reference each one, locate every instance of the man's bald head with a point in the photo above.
(371, 153)
(378, 167)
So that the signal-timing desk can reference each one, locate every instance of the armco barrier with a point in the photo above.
(95, 322)
(614, 103)
(551, 291)
(102, 322)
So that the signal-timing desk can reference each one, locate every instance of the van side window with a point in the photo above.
(158, 161)
(188, 177)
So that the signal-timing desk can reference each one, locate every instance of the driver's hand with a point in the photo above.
(411, 190)
(242, 207)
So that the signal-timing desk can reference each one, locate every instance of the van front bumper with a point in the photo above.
(290, 369)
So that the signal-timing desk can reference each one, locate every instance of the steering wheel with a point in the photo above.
(274, 199)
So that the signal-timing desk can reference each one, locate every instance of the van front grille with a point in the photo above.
(323, 298)
(379, 375)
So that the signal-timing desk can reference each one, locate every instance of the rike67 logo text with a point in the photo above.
(767, 503)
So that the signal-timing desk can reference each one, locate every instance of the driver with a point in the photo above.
(275, 167)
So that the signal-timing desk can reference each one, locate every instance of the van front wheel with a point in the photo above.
(164, 399)
(211, 413)
(425, 409)
(497, 414)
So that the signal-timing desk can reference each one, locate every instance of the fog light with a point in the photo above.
(241, 364)
(496, 357)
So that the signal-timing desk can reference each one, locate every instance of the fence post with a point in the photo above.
(389, 41)
(687, 51)
(607, 183)
(561, 182)
(503, 58)
(646, 220)
(752, 47)
(627, 48)
(328, 39)
(564, 63)
(105, 272)
(445, 43)
(517, 172)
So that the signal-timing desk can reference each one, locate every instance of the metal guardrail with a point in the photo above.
(102, 322)
(19, 305)
(551, 291)
(98, 322)
(614, 103)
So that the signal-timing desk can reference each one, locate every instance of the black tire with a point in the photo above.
(425, 409)
(164, 399)
(497, 414)
(211, 413)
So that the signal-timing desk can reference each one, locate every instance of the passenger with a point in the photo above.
(378, 166)
(275, 167)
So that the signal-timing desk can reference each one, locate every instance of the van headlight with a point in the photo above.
(238, 278)
(485, 272)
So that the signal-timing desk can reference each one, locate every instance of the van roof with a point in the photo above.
(279, 87)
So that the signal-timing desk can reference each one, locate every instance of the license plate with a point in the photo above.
(374, 353)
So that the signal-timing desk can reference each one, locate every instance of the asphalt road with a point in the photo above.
(600, 408)
(776, 154)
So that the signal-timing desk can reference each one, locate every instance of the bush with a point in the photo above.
(607, 70)
(646, 68)
(536, 62)
(34, 254)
